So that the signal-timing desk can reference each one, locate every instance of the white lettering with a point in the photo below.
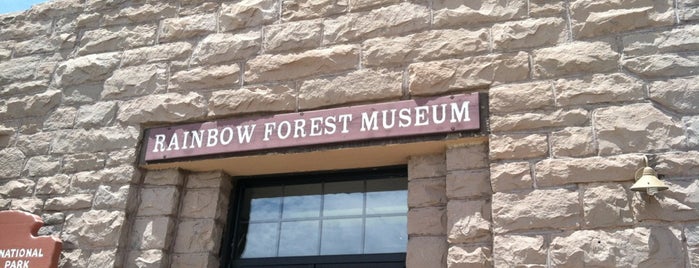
(226, 139)
(212, 139)
(420, 116)
(405, 119)
(197, 138)
(345, 118)
(159, 143)
(459, 115)
(184, 139)
(369, 123)
(298, 128)
(315, 126)
(288, 130)
(443, 113)
(385, 118)
(330, 126)
(269, 127)
(246, 135)
(174, 144)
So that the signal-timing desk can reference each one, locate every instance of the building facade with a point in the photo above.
(575, 97)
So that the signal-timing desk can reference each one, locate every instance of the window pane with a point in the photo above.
(265, 203)
(343, 198)
(342, 236)
(261, 240)
(385, 234)
(387, 196)
(299, 238)
(302, 201)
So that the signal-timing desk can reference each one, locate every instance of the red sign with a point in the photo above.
(19, 245)
(364, 122)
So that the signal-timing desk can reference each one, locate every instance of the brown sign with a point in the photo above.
(19, 245)
(375, 121)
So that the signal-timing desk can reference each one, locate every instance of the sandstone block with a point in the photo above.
(164, 177)
(17, 188)
(157, 53)
(550, 172)
(103, 139)
(116, 38)
(538, 120)
(521, 97)
(636, 128)
(33, 105)
(82, 162)
(169, 107)
(678, 164)
(61, 118)
(214, 179)
(23, 88)
(253, 99)
(97, 115)
(292, 36)
(515, 250)
(359, 86)
(606, 205)
(206, 78)
(573, 142)
(73, 258)
(136, 14)
(429, 78)
(203, 203)
(152, 233)
(679, 94)
(42, 166)
(453, 13)
(204, 260)
(310, 9)
(423, 46)
(14, 161)
(365, 4)
(518, 146)
(104, 258)
(692, 125)
(689, 13)
(92, 229)
(426, 166)
(506, 177)
(202, 235)
(427, 193)
(44, 44)
(81, 94)
(598, 88)
(466, 184)
(248, 13)
(529, 33)
(74, 202)
(26, 29)
(186, 27)
(541, 8)
(34, 144)
(594, 18)
(293, 66)
(473, 156)
(622, 248)
(468, 221)
(679, 203)
(427, 221)
(28, 204)
(118, 175)
(90, 68)
(550, 209)
(153, 258)
(136, 81)
(469, 257)
(111, 197)
(53, 185)
(426, 251)
(120, 157)
(18, 69)
(663, 65)
(224, 47)
(587, 57)
(675, 40)
(386, 21)
(160, 201)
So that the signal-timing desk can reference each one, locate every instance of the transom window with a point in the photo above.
(321, 217)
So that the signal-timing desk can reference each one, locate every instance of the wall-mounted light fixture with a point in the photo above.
(647, 180)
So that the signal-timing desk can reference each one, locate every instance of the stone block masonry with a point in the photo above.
(579, 92)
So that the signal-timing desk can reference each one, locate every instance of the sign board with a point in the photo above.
(364, 122)
(19, 245)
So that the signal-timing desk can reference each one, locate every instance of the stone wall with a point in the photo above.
(579, 92)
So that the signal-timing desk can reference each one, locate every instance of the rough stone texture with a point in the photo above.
(103, 258)
(551, 172)
(18, 69)
(213, 179)
(514, 250)
(426, 252)
(201, 235)
(164, 177)
(111, 197)
(451, 12)
(144, 13)
(136, 81)
(598, 88)
(158, 201)
(518, 146)
(103, 139)
(426, 193)
(466, 184)
(468, 221)
(17, 188)
(169, 107)
(521, 97)
(89, 68)
(95, 228)
(663, 65)
(426, 166)
(292, 36)
(573, 141)
(634, 128)
(309, 9)
(152, 233)
(42, 166)
(205, 78)
(473, 156)
(606, 205)
(469, 257)
(194, 260)
(153, 258)
(292, 66)
(360, 86)
(423, 46)
(685, 38)
(157, 53)
(90, 180)
(429, 78)
(386, 21)
(678, 164)
(427, 221)
(623, 248)
(679, 203)
(588, 57)
(505, 177)
(202, 203)
(186, 27)
(528, 33)
(224, 47)
(61, 118)
(74, 202)
(97, 115)
(14, 160)
(692, 125)
(594, 18)
(33, 105)
(117, 38)
(252, 99)
(680, 94)
(549, 209)
(247, 13)
(53, 185)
